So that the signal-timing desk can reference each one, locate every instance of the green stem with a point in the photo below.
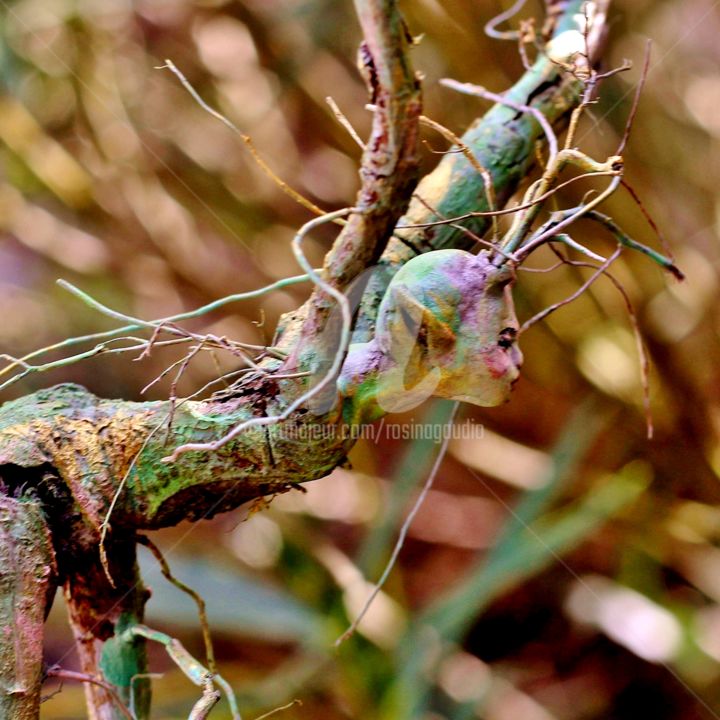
(628, 242)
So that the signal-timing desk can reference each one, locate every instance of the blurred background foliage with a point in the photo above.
(563, 567)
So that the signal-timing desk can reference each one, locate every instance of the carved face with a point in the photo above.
(448, 323)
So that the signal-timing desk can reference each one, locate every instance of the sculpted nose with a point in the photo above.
(516, 356)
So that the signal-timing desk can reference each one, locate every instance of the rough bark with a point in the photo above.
(27, 584)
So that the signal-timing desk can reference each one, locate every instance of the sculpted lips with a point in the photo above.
(503, 362)
(500, 365)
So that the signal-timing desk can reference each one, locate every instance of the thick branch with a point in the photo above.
(27, 584)
(390, 160)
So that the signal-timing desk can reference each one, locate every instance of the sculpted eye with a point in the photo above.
(507, 338)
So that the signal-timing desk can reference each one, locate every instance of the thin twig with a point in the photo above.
(624, 239)
(505, 211)
(490, 26)
(403, 530)
(567, 240)
(294, 194)
(193, 670)
(526, 36)
(537, 240)
(479, 91)
(639, 344)
(342, 119)
(556, 306)
(210, 698)
(488, 186)
(193, 351)
(59, 672)
(105, 526)
(173, 387)
(650, 220)
(102, 348)
(199, 601)
(234, 346)
(636, 99)
(481, 241)
(329, 377)
(279, 709)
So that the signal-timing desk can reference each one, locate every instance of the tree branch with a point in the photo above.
(503, 142)
(389, 167)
